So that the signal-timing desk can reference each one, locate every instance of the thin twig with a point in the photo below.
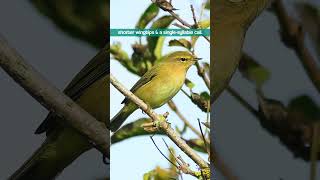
(185, 23)
(242, 101)
(200, 70)
(204, 138)
(176, 16)
(314, 151)
(163, 154)
(194, 16)
(164, 125)
(174, 108)
(170, 150)
(203, 75)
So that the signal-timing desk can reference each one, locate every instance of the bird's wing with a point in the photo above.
(147, 77)
(97, 68)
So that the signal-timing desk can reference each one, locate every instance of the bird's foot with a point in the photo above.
(156, 125)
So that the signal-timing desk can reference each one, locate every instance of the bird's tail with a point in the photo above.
(122, 115)
(52, 157)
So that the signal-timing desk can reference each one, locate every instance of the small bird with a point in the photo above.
(158, 85)
(164, 5)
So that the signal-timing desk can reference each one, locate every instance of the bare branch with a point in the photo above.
(151, 137)
(51, 97)
(293, 36)
(163, 124)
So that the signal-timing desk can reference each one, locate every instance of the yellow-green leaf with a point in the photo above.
(253, 71)
(202, 25)
(150, 13)
(161, 23)
(181, 42)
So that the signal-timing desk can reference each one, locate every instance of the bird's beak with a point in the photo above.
(197, 59)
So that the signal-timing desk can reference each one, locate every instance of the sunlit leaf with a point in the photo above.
(161, 23)
(197, 144)
(189, 83)
(130, 130)
(181, 42)
(121, 56)
(253, 71)
(207, 6)
(159, 46)
(150, 13)
(160, 174)
(202, 25)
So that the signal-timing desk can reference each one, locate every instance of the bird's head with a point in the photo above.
(182, 58)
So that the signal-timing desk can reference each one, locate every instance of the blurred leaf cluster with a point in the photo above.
(85, 20)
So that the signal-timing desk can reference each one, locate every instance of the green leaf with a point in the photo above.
(200, 101)
(189, 84)
(253, 71)
(181, 42)
(158, 49)
(197, 144)
(121, 56)
(141, 58)
(202, 25)
(147, 176)
(306, 107)
(84, 20)
(155, 43)
(150, 13)
(205, 95)
(130, 130)
(207, 6)
(206, 67)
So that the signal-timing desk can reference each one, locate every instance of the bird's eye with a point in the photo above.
(183, 59)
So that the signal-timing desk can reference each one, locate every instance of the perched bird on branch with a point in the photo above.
(64, 144)
(158, 85)
(164, 5)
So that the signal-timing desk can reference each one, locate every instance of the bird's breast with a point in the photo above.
(161, 88)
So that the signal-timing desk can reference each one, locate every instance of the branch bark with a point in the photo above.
(175, 137)
(52, 98)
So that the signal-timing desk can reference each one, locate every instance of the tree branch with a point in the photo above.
(51, 97)
(293, 36)
(163, 124)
